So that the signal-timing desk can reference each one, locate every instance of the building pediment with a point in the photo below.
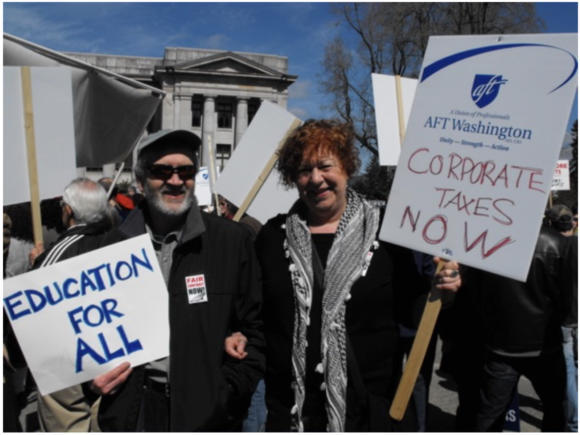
(227, 63)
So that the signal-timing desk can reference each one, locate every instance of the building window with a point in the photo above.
(196, 108)
(223, 154)
(252, 109)
(224, 112)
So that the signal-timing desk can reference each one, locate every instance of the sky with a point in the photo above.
(296, 30)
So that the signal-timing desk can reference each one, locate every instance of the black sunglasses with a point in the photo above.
(165, 172)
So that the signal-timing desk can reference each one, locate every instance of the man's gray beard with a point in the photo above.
(155, 200)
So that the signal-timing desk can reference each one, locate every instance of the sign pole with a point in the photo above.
(31, 154)
(400, 111)
(428, 320)
(418, 351)
(264, 174)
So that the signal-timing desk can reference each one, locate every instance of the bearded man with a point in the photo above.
(198, 387)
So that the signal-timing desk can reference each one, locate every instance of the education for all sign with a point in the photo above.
(82, 317)
(484, 135)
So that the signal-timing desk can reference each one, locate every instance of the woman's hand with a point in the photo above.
(110, 382)
(235, 345)
(448, 280)
(449, 277)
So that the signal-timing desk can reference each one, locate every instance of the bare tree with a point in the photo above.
(391, 38)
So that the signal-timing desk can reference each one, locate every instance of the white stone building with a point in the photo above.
(213, 93)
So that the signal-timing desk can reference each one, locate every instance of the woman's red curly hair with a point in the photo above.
(315, 139)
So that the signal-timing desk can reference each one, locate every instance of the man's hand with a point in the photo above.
(235, 345)
(109, 383)
(35, 252)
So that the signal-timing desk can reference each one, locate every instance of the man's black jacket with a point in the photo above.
(209, 391)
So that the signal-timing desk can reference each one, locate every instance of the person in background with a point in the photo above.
(522, 335)
(197, 388)
(135, 196)
(229, 211)
(560, 218)
(333, 295)
(22, 239)
(10, 408)
(83, 208)
(223, 208)
(119, 203)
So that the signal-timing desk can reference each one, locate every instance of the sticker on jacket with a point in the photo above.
(196, 291)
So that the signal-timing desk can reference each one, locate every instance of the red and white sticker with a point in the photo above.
(196, 289)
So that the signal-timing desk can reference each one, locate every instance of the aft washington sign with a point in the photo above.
(485, 131)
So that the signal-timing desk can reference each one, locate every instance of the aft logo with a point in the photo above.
(486, 89)
(196, 290)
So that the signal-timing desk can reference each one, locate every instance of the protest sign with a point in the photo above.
(111, 111)
(254, 152)
(54, 133)
(387, 114)
(485, 131)
(202, 187)
(82, 317)
(561, 180)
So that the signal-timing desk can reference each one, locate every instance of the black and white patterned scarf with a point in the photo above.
(347, 259)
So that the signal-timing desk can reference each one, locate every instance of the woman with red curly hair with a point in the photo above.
(330, 309)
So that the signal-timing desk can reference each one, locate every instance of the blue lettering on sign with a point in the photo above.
(11, 305)
(86, 282)
(102, 313)
(145, 263)
(104, 354)
(29, 301)
(83, 349)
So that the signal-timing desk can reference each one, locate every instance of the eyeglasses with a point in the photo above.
(165, 172)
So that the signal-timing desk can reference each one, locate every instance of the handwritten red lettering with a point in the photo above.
(496, 206)
(412, 157)
(412, 219)
(482, 239)
(438, 218)
(456, 167)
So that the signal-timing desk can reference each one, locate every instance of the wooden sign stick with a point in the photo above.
(428, 320)
(31, 154)
(264, 174)
(418, 351)
(400, 110)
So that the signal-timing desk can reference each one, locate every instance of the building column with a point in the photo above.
(241, 119)
(208, 134)
(176, 111)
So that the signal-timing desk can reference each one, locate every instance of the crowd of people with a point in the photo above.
(307, 319)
